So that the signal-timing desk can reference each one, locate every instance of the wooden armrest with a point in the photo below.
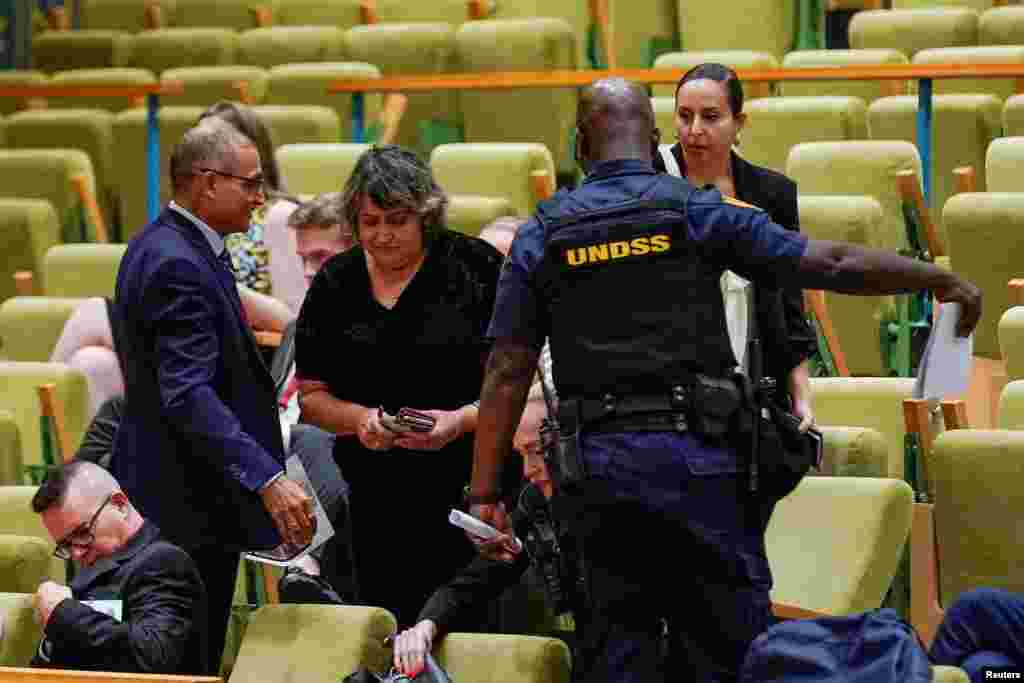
(917, 420)
(1016, 291)
(12, 674)
(24, 282)
(154, 17)
(954, 414)
(368, 11)
(57, 18)
(543, 185)
(964, 179)
(910, 190)
(391, 115)
(244, 92)
(784, 611)
(925, 612)
(264, 338)
(599, 19)
(476, 10)
(92, 209)
(262, 15)
(815, 300)
(51, 406)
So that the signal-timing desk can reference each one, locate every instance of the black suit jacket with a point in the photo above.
(200, 433)
(787, 337)
(164, 612)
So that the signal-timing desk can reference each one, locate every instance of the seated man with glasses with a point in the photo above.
(136, 603)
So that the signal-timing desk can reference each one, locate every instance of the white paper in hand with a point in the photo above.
(945, 368)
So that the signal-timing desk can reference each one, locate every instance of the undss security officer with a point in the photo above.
(622, 275)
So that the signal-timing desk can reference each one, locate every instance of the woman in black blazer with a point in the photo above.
(709, 116)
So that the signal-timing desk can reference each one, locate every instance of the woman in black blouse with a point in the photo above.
(399, 321)
(709, 115)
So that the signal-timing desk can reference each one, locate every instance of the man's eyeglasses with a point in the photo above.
(82, 537)
(256, 184)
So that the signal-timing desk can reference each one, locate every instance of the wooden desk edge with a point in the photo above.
(9, 674)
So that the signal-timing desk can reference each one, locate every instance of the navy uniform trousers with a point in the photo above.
(983, 629)
(648, 495)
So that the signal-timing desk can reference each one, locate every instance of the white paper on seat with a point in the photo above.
(945, 367)
(286, 553)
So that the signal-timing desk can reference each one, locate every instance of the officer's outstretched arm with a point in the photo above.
(850, 269)
(507, 379)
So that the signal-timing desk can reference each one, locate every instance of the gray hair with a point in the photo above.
(323, 211)
(394, 177)
(211, 141)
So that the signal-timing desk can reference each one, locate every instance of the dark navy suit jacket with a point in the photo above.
(200, 433)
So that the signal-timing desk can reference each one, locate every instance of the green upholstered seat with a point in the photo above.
(984, 231)
(83, 49)
(307, 83)
(854, 452)
(31, 325)
(547, 116)
(101, 77)
(47, 174)
(82, 270)
(169, 48)
(964, 125)
(760, 25)
(493, 169)
(273, 45)
(866, 90)
(870, 402)
(858, 167)
(842, 562)
(313, 643)
(1013, 116)
(735, 59)
(312, 169)
(1011, 400)
(1011, 345)
(24, 563)
(913, 30)
(949, 674)
(28, 227)
(1001, 26)
(857, 320)
(120, 15)
(236, 15)
(775, 124)
(298, 124)
(497, 658)
(979, 54)
(18, 519)
(635, 24)
(340, 13)
(410, 48)
(130, 159)
(979, 493)
(204, 85)
(90, 130)
(21, 632)
(10, 450)
(469, 213)
(1004, 165)
(979, 5)
(12, 78)
(447, 11)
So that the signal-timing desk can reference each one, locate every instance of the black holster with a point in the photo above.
(564, 455)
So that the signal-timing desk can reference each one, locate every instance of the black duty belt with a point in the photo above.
(637, 412)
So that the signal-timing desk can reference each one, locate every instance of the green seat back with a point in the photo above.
(759, 25)
(47, 174)
(469, 213)
(734, 59)
(82, 270)
(913, 30)
(273, 45)
(340, 13)
(14, 78)
(983, 54)
(854, 452)
(1001, 25)
(1011, 400)
(1011, 343)
(1004, 165)
(634, 24)
(18, 519)
(10, 450)
(312, 169)
(866, 90)
(493, 169)
(31, 325)
(237, 15)
(1013, 116)
(299, 124)
(101, 77)
(28, 228)
(495, 658)
(83, 49)
(24, 563)
(205, 85)
(169, 48)
(119, 15)
(22, 633)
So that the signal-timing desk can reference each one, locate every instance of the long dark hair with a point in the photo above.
(719, 73)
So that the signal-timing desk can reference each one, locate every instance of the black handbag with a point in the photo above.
(431, 673)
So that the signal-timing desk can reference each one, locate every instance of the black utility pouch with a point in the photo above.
(715, 402)
(786, 454)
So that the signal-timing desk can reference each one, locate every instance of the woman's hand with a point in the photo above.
(800, 390)
(372, 434)
(412, 646)
(450, 425)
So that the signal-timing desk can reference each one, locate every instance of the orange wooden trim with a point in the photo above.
(476, 10)
(599, 17)
(10, 674)
(964, 179)
(265, 338)
(24, 282)
(784, 611)
(917, 420)
(574, 79)
(893, 88)
(28, 91)
(270, 585)
(925, 612)
(1018, 85)
(391, 115)
(815, 300)
(244, 92)
(1016, 286)
(910, 189)
(368, 11)
(57, 18)
(543, 185)
(954, 414)
(262, 16)
(81, 183)
(51, 406)
(154, 16)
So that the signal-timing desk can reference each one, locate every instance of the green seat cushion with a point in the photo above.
(205, 85)
(854, 452)
(10, 450)
(469, 213)
(312, 169)
(492, 169)
(31, 325)
(866, 90)
(307, 84)
(47, 174)
(980, 54)
(759, 25)
(82, 270)
(82, 49)
(21, 632)
(24, 563)
(28, 228)
(913, 30)
(101, 77)
(169, 48)
(12, 78)
(734, 59)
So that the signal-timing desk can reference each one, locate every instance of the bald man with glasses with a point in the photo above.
(136, 603)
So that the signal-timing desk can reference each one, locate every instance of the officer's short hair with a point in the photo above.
(211, 141)
(393, 177)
